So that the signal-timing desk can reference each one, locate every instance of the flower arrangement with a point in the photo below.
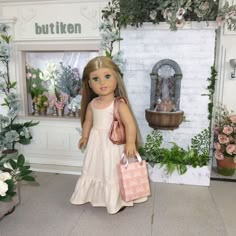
(61, 101)
(225, 135)
(11, 173)
(41, 101)
(35, 82)
(68, 80)
(75, 103)
(174, 13)
(11, 132)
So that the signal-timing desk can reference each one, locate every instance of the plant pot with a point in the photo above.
(60, 112)
(199, 176)
(10, 154)
(226, 166)
(43, 111)
(7, 208)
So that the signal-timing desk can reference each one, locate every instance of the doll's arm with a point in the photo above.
(130, 129)
(88, 123)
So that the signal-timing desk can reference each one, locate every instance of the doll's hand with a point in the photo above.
(82, 143)
(130, 150)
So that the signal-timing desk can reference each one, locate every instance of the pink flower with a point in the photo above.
(233, 118)
(223, 139)
(59, 105)
(180, 23)
(230, 149)
(28, 75)
(219, 155)
(219, 20)
(217, 146)
(228, 129)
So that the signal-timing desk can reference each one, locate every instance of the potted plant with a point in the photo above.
(174, 164)
(12, 172)
(11, 131)
(225, 141)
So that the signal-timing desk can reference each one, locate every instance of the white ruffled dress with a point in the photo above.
(98, 183)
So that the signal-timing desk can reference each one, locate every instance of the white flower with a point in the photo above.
(153, 14)
(7, 166)
(5, 176)
(180, 13)
(3, 188)
(167, 14)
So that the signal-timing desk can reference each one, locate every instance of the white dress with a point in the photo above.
(98, 183)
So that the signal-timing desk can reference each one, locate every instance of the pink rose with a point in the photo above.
(233, 118)
(217, 146)
(223, 139)
(231, 139)
(230, 149)
(219, 155)
(228, 129)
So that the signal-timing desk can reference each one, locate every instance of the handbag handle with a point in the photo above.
(116, 115)
(124, 160)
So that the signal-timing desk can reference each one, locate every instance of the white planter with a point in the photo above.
(6, 207)
(193, 176)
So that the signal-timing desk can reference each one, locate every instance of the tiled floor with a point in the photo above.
(175, 210)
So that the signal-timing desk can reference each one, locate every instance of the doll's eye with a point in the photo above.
(107, 76)
(95, 79)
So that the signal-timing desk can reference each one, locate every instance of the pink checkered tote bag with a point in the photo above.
(133, 178)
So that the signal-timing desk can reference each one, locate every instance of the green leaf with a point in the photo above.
(13, 164)
(25, 172)
(20, 160)
(28, 178)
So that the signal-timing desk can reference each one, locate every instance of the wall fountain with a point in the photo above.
(164, 110)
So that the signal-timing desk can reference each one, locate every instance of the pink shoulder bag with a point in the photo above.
(117, 130)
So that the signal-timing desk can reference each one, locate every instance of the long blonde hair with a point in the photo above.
(88, 95)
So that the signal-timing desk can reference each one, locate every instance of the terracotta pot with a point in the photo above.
(226, 166)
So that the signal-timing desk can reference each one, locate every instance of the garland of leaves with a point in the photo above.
(120, 13)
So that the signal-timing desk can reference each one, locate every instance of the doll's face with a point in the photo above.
(102, 81)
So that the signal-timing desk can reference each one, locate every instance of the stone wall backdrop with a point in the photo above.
(193, 49)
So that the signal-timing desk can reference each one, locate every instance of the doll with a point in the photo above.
(98, 184)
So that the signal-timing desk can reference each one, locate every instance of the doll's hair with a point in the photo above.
(88, 95)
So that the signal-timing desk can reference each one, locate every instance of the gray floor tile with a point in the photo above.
(185, 210)
(224, 194)
(172, 209)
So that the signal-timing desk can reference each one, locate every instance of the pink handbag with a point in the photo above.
(133, 179)
(117, 130)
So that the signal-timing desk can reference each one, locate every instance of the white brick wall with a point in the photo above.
(193, 50)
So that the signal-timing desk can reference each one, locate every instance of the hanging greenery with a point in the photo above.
(175, 13)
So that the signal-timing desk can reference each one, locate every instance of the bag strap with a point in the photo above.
(125, 160)
(116, 115)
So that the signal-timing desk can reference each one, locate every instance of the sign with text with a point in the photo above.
(45, 21)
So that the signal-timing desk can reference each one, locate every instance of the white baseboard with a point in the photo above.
(73, 170)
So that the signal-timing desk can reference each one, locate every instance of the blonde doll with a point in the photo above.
(98, 184)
